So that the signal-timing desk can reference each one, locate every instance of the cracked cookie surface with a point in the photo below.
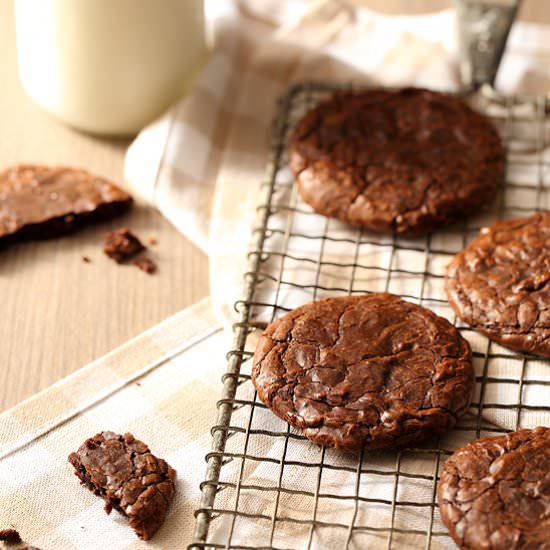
(494, 493)
(500, 283)
(123, 471)
(405, 161)
(367, 372)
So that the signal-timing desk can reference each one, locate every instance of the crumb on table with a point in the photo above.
(10, 536)
(121, 244)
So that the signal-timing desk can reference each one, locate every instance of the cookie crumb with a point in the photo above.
(10, 536)
(121, 244)
(86, 260)
(146, 264)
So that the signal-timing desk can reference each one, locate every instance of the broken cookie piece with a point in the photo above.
(123, 471)
(121, 244)
(38, 202)
(10, 536)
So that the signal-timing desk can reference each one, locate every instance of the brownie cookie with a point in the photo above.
(495, 492)
(500, 283)
(10, 536)
(123, 471)
(364, 371)
(405, 161)
(42, 202)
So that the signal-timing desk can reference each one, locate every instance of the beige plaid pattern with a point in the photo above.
(162, 387)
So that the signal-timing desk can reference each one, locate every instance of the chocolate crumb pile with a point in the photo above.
(10, 536)
(121, 245)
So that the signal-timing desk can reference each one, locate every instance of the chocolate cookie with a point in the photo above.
(364, 371)
(41, 202)
(405, 161)
(10, 536)
(500, 283)
(145, 264)
(494, 493)
(124, 472)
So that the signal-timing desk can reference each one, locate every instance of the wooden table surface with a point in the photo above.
(58, 312)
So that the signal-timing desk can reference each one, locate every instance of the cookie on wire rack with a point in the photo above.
(500, 283)
(495, 492)
(371, 371)
(406, 161)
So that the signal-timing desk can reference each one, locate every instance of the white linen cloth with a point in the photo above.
(201, 163)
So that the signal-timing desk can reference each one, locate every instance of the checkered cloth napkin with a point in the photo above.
(200, 164)
(162, 387)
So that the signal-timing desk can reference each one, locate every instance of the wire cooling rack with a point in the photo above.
(266, 486)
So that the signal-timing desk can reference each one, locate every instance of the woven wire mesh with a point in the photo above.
(267, 486)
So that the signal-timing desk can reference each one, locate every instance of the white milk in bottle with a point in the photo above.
(108, 66)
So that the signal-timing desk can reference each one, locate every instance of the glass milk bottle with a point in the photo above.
(108, 66)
